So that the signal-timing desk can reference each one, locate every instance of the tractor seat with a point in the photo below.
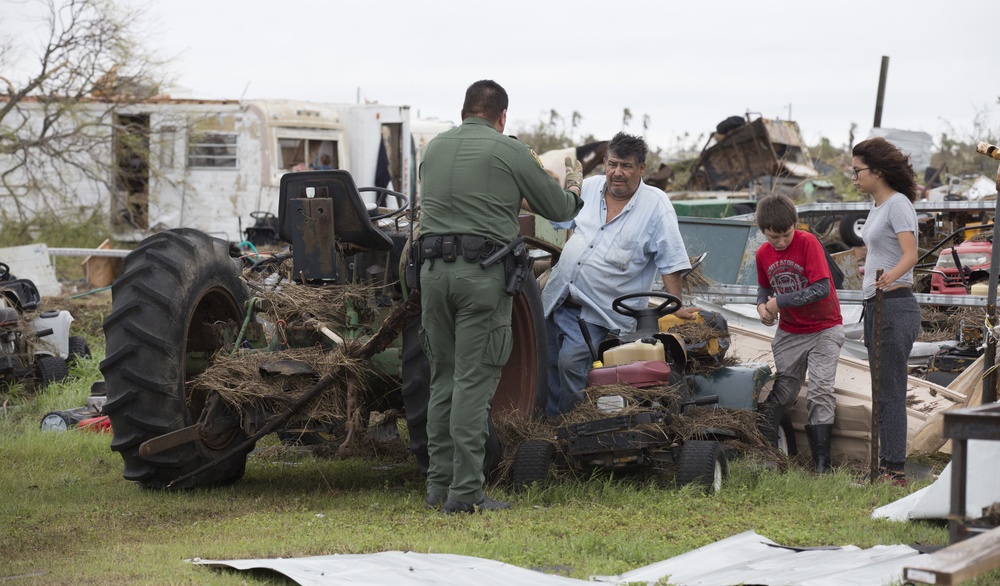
(351, 222)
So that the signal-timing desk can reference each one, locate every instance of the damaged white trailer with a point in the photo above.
(169, 163)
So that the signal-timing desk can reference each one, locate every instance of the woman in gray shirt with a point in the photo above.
(880, 170)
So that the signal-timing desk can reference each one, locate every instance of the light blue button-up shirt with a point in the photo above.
(605, 260)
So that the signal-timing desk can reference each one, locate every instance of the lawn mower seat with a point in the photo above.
(8, 317)
(21, 293)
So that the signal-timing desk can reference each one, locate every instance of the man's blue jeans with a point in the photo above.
(569, 358)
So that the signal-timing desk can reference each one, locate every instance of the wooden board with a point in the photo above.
(958, 562)
(101, 271)
(852, 387)
(930, 438)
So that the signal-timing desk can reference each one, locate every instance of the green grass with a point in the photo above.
(68, 516)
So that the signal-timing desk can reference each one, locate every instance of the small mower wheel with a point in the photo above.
(776, 427)
(50, 369)
(702, 463)
(78, 348)
(532, 463)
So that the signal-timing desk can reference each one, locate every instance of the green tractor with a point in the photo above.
(184, 297)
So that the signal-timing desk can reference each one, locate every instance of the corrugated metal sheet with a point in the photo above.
(747, 558)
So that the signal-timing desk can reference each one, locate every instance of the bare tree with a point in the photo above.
(56, 120)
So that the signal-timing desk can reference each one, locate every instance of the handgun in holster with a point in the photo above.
(517, 264)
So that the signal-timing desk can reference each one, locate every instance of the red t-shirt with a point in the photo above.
(795, 268)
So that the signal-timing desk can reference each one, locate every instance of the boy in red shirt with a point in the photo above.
(794, 281)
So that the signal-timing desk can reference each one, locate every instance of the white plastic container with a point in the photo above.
(634, 352)
(58, 322)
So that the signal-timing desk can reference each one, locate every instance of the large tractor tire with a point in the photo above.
(416, 391)
(522, 387)
(174, 286)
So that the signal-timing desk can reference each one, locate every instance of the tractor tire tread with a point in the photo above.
(154, 304)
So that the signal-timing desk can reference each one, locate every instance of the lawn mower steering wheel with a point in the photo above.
(646, 318)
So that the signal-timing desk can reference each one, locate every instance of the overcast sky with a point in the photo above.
(685, 65)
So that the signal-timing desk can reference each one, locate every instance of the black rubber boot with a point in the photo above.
(819, 444)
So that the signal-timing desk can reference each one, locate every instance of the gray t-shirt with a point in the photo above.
(884, 221)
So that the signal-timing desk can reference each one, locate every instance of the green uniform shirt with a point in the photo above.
(473, 179)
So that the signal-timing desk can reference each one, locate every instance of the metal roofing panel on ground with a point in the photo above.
(747, 558)
(934, 501)
(398, 568)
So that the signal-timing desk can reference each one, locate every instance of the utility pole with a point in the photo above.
(881, 91)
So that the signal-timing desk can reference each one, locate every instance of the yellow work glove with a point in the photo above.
(574, 173)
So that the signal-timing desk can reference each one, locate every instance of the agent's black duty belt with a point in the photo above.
(448, 248)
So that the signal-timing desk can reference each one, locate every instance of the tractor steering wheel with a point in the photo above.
(670, 304)
(384, 193)
(4, 271)
(261, 215)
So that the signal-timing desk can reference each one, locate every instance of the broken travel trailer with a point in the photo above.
(208, 164)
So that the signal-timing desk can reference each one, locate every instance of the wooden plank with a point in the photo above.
(930, 438)
(101, 271)
(852, 389)
(959, 562)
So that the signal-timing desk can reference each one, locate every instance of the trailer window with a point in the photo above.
(212, 150)
(300, 154)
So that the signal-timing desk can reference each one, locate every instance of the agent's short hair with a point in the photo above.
(627, 146)
(485, 99)
(884, 158)
(776, 213)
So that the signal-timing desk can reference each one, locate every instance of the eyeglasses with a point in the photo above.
(854, 172)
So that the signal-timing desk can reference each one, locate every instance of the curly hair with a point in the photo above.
(894, 167)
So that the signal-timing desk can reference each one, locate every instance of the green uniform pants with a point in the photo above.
(466, 335)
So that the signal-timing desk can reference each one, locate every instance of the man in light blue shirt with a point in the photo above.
(625, 235)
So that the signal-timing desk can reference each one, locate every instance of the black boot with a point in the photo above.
(819, 444)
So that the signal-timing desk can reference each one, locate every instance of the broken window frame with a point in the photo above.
(213, 150)
(310, 145)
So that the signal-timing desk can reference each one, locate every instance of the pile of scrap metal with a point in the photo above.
(747, 153)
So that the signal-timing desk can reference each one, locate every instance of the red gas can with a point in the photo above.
(644, 373)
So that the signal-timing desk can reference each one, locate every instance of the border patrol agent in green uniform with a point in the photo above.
(473, 180)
